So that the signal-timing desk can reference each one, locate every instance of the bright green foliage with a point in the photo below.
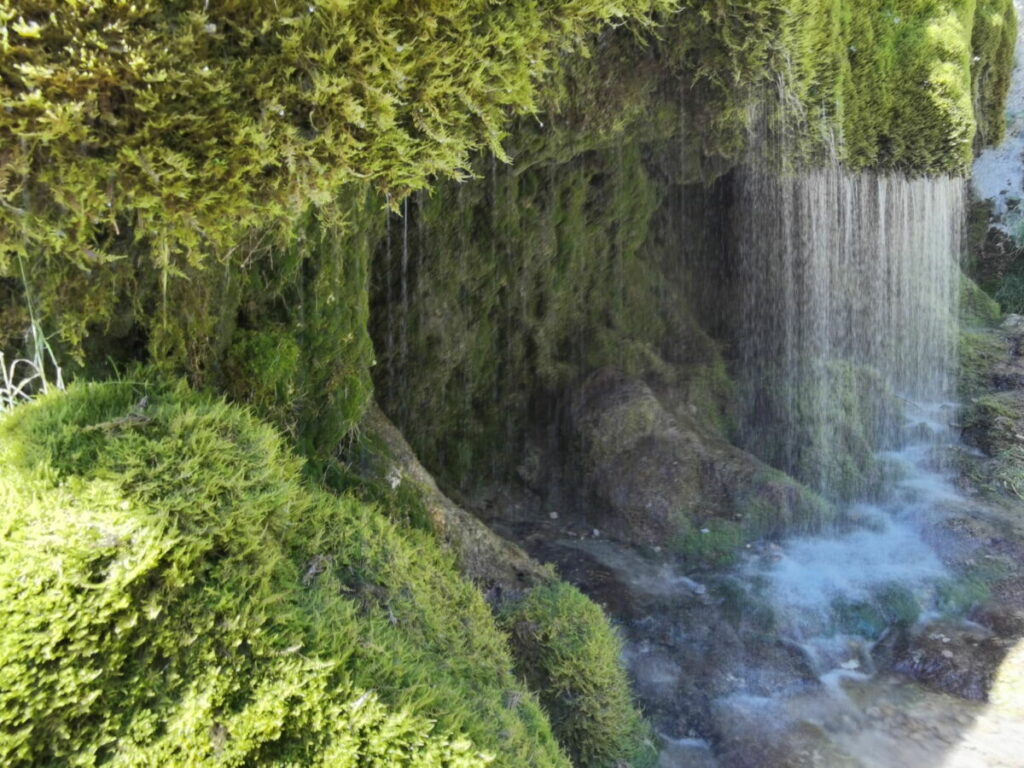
(882, 83)
(565, 651)
(171, 174)
(194, 124)
(262, 366)
(993, 41)
(173, 595)
(151, 146)
(309, 297)
(625, 91)
(284, 330)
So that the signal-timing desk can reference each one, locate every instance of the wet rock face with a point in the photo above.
(635, 461)
(1008, 373)
(652, 477)
(757, 733)
(960, 659)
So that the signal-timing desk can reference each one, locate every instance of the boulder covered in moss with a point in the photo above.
(977, 308)
(564, 649)
(172, 593)
(657, 478)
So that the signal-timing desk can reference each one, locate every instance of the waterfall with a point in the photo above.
(848, 287)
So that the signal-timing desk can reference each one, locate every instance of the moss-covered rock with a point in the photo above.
(979, 351)
(832, 451)
(977, 308)
(174, 594)
(891, 606)
(903, 84)
(564, 650)
(993, 422)
(662, 479)
(563, 645)
(484, 557)
(991, 382)
(499, 294)
(203, 124)
(210, 132)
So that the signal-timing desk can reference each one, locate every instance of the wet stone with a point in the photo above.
(960, 659)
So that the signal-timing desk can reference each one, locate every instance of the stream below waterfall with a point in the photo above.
(855, 641)
(849, 648)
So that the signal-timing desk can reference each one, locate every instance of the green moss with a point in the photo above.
(226, 182)
(977, 308)
(832, 452)
(771, 503)
(889, 606)
(364, 468)
(512, 288)
(880, 83)
(262, 367)
(1010, 291)
(205, 124)
(990, 421)
(993, 41)
(712, 393)
(978, 350)
(956, 596)
(714, 543)
(567, 652)
(191, 601)
(765, 504)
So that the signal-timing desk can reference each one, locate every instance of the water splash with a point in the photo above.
(834, 595)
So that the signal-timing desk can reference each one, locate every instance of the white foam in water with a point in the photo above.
(814, 572)
(887, 548)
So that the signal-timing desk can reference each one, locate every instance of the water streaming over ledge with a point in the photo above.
(846, 354)
(848, 286)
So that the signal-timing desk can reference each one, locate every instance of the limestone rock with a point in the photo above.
(961, 659)
(483, 556)
(654, 477)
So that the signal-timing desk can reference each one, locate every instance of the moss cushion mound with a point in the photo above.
(171, 593)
